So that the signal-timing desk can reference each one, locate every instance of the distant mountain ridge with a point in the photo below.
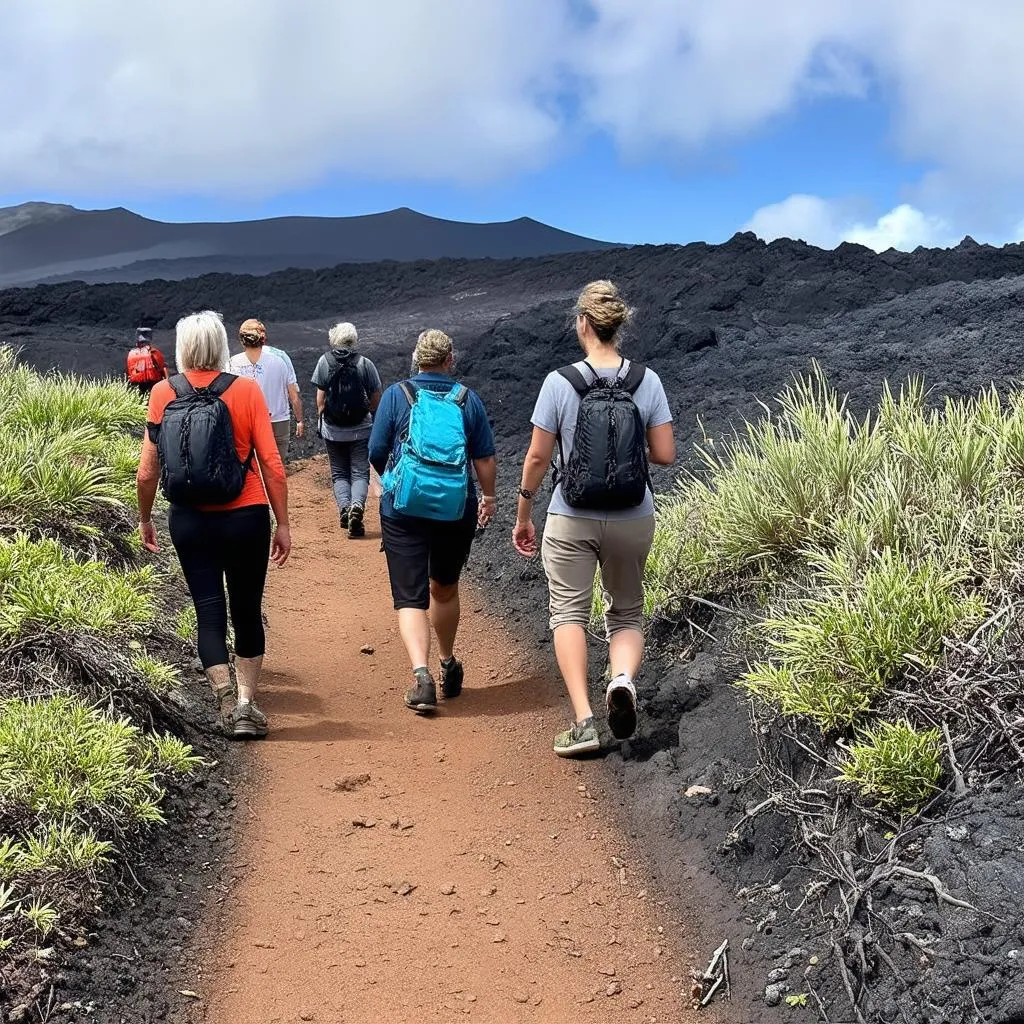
(50, 242)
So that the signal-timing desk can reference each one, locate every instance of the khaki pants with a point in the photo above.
(573, 548)
(282, 435)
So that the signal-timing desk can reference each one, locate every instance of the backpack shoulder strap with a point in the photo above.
(634, 377)
(575, 378)
(409, 390)
(458, 395)
(180, 385)
(221, 383)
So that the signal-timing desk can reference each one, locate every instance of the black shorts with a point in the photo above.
(421, 550)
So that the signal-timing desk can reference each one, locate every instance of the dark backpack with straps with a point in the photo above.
(199, 464)
(347, 403)
(607, 470)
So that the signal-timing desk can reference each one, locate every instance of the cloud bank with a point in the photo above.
(826, 223)
(214, 97)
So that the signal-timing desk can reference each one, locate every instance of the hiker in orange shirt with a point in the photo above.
(145, 365)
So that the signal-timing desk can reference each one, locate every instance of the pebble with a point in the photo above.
(448, 890)
(779, 974)
(773, 994)
(613, 989)
(366, 649)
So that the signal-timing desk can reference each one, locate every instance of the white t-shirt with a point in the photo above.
(271, 373)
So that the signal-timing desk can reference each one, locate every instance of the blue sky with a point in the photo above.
(629, 120)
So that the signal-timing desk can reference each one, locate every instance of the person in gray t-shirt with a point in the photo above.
(577, 540)
(348, 443)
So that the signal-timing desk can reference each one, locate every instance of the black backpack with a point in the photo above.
(347, 402)
(607, 469)
(199, 464)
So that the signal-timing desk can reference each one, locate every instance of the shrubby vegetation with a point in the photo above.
(873, 549)
(80, 781)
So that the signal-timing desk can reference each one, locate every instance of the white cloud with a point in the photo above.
(904, 227)
(230, 96)
(219, 95)
(827, 222)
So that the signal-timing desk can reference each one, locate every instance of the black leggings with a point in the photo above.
(217, 546)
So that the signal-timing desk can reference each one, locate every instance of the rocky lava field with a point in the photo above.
(725, 327)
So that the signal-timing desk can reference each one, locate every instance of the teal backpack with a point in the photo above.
(430, 477)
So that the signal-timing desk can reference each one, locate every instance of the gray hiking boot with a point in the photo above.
(247, 722)
(422, 698)
(579, 739)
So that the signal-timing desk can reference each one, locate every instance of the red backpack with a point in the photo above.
(142, 367)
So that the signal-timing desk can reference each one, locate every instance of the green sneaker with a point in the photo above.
(580, 738)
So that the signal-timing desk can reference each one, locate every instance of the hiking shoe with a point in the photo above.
(422, 698)
(248, 722)
(580, 738)
(451, 678)
(355, 522)
(343, 517)
(620, 698)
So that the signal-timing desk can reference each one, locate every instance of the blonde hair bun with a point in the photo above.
(433, 348)
(604, 308)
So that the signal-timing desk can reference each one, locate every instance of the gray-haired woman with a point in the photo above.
(348, 393)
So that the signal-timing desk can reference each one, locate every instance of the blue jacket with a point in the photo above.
(391, 421)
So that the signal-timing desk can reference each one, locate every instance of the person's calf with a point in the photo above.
(247, 673)
(445, 612)
(219, 678)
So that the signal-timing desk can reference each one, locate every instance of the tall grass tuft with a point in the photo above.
(895, 764)
(68, 447)
(42, 586)
(883, 537)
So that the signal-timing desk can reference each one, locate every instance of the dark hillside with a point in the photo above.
(40, 242)
(725, 327)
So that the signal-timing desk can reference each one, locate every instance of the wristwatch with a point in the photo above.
(528, 495)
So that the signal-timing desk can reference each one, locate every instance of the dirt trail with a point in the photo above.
(401, 869)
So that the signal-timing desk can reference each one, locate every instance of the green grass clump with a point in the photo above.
(895, 764)
(85, 783)
(60, 402)
(43, 586)
(160, 677)
(64, 761)
(68, 447)
(835, 652)
(881, 538)
(185, 623)
(55, 849)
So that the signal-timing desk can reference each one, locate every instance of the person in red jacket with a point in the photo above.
(145, 365)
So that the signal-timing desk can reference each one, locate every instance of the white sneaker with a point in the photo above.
(620, 698)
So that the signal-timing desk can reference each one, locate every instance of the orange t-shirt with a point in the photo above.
(250, 421)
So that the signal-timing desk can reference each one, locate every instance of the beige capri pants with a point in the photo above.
(573, 548)
(283, 436)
